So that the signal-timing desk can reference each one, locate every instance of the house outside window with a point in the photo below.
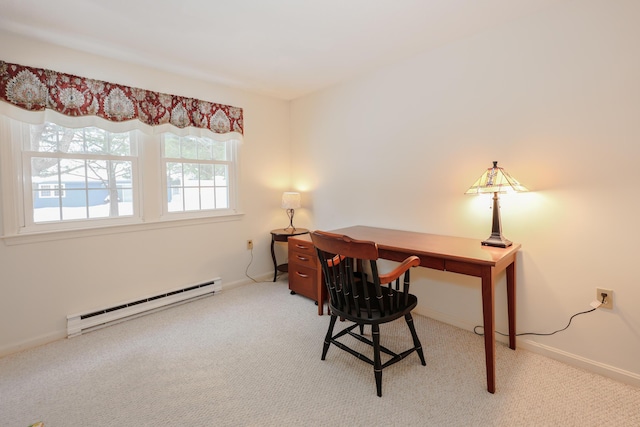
(48, 191)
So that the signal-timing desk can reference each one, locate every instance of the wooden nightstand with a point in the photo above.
(282, 235)
(305, 273)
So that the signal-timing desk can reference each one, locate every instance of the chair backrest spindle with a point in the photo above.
(349, 288)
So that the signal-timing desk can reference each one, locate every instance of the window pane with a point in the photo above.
(73, 183)
(53, 138)
(174, 185)
(191, 173)
(47, 211)
(74, 204)
(222, 198)
(189, 148)
(191, 199)
(208, 198)
(201, 182)
(222, 186)
(94, 141)
(205, 149)
(220, 150)
(206, 175)
(193, 186)
(120, 144)
(47, 190)
(171, 146)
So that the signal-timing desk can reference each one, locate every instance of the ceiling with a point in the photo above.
(280, 48)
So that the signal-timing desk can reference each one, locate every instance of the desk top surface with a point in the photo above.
(414, 243)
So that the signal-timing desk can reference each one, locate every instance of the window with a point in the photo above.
(73, 152)
(199, 174)
(77, 174)
(59, 178)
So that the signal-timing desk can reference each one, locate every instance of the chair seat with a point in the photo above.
(376, 316)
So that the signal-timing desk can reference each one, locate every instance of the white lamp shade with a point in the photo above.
(290, 200)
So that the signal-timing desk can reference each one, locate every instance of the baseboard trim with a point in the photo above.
(571, 359)
(28, 344)
(265, 277)
(603, 369)
(32, 343)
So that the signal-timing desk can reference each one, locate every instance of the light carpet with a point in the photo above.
(250, 356)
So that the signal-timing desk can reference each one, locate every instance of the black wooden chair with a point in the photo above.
(359, 294)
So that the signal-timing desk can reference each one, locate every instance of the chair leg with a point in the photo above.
(416, 340)
(327, 339)
(377, 363)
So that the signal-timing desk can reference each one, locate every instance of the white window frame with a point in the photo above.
(232, 172)
(27, 223)
(150, 198)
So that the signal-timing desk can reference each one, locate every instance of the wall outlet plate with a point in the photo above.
(608, 301)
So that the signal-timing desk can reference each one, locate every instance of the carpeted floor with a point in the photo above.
(250, 356)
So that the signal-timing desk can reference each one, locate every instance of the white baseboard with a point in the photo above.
(571, 359)
(603, 369)
(32, 342)
(265, 277)
(57, 335)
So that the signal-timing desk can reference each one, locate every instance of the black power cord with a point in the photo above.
(475, 329)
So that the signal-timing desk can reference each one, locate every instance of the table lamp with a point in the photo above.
(290, 202)
(496, 180)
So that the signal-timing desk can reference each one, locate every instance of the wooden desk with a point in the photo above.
(457, 255)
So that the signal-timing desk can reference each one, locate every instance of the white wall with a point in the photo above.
(41, 283)
(555, 98)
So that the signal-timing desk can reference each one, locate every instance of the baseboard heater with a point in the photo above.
(95, 319)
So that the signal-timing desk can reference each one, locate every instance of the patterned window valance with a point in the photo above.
(36, 89)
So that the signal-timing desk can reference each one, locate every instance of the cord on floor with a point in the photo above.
(475, 329)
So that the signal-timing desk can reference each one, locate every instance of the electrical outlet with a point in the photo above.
(608, 297)
(249, 244)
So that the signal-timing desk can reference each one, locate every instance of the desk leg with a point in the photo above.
(273, 257)
(511, 303)
(488, 313)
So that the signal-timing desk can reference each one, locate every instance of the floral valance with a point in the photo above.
(37, 89)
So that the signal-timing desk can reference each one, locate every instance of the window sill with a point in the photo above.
(48, 236)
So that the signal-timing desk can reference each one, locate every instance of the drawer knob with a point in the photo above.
(301, 246)
(302, 275)
(301, 258)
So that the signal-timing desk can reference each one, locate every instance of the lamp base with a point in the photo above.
(496, 238)
(497, 241)
(290, 213)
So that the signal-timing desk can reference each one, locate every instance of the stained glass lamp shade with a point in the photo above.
(496, 180)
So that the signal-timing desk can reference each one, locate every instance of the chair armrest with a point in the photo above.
(412, 261)
(335, 260)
